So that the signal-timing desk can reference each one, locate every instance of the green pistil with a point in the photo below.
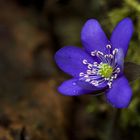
(105, 70)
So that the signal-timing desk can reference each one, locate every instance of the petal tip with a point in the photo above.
(128, 21)
(93, 36)
(120, 95)
(60, 90)
(91, 20)
(120, 106)
(70, 88)
(122, 34)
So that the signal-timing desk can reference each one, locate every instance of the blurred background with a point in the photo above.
(31, 31)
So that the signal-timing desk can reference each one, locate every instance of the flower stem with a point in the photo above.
(114, 125)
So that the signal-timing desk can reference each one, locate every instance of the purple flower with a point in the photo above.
(99, 65)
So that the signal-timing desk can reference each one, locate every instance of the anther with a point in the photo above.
(114, 51)
(99, 53)
(109, 84)
(90, 66)
(106, 55)
(86, 76)
(81, 74)
(111, 56)
(94, 71)
(118, 70)
(115, 76)
(107, 79)
(93, 53)
(96, 83)
(85, 61)
(87, 80)
(95, 64)
(88, 71)
(108, 46)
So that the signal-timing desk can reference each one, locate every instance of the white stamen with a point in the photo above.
(86, 76)
(85, 61)
(81, 74)
(89, 72)
(115, 76)
(90, 66)
(111, 56)
(109, 84)
(87, 80)
(95, 64)
(99, 53)
(93, 53)
(93, 70)
(118, 70)
(106, 55)
(108, 46)
(114, 51)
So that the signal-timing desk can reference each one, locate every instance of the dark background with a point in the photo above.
(31, 31)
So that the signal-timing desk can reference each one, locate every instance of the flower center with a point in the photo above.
(105, 70)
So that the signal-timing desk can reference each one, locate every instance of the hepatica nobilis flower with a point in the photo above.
(99, 65)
